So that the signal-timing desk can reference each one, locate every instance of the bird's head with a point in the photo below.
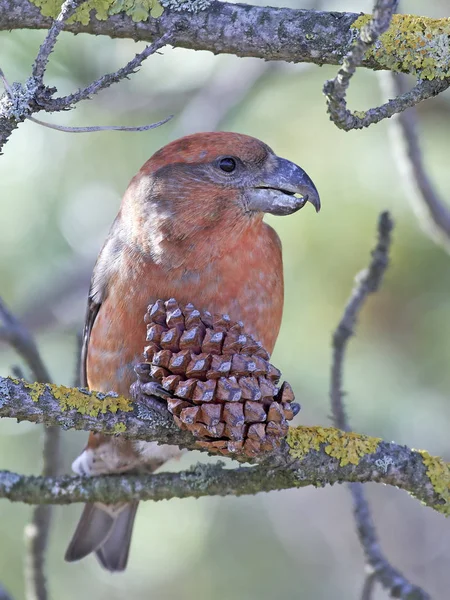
(215, 180)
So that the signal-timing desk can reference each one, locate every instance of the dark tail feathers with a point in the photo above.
(105, 533)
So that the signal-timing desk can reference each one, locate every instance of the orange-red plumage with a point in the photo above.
(190, 227)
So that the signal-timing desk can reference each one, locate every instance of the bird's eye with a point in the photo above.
(227, 164)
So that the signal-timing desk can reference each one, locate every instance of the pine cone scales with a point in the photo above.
(221, 384)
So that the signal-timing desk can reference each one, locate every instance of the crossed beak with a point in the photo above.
(284, 189)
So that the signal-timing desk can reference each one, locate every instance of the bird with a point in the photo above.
(190, 227)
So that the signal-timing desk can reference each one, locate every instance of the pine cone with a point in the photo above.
(222, 386)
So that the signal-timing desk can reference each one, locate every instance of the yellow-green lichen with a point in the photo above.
(348, 448)
(412, 44)
(35, 390)
(119, 428)
(138, 10)
(438, 472)
(88, 403)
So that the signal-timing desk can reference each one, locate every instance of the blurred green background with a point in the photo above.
(59, 194)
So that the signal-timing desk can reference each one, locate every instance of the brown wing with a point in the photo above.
(98, 291)
(91, 314)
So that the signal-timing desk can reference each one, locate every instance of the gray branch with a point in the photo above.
(336, 89)
(78, 408)
(315, 465)
(4, 595)
(273, 34)
(367, 282)
(284, 34)
(318, 468)
(40, 64)
(37, 532)
(432, 212)
(21, 101)
(109, 79)
(14, 333)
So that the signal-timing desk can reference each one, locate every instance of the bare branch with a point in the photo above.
(109, 79)
(94, 128)
(37, 532)
(13, 332)
(369, 586)
(40, 64)
(336, 89)
(423, 90)
(388, 576)
(367, 282)
(4, 594)
(431, 211)
(273, 34)
(21, 101)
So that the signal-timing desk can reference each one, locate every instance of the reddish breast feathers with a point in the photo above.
(246, 282)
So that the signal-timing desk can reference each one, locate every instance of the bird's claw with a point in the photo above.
(153, 388)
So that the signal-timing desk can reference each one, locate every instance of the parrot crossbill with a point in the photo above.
(190, 227)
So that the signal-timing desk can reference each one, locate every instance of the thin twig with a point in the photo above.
(21, 101)
(37, 532)
(110, 78)
(5, 82)
(4, 595)
(91, 129)
(423, 90)
(15, 334)
(368, 587)
(336, 89)
(40, 64)
(432, 212)
(367, 282)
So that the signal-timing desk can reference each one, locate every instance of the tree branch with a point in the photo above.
(14, 333)
(109, 79)
(4, 595)
(432, 212)
(367, 282)
(20, 102)
(336, 89)
(316, 467)
(265, 32)
(40, 64)
(310, 456)
(292, 35)
(37, 532)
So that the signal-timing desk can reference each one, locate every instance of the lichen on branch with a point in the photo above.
(412, 44)
(311, 455)
(138, 10)
(281, 34)
(348, 448)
